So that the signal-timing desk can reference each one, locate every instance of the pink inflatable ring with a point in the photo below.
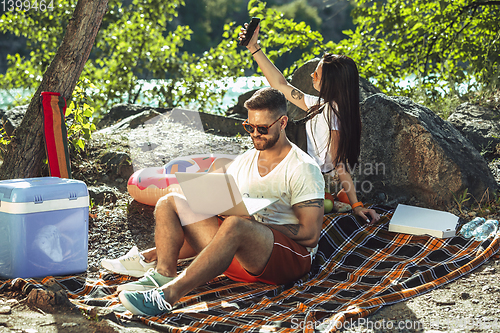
(150, 184)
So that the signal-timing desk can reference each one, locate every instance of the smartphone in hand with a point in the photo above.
(250, 30)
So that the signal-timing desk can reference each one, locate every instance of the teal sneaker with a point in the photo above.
(145, 303)
(151, 280)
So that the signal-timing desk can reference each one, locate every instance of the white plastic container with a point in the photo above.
(43, 227)
(423, 221)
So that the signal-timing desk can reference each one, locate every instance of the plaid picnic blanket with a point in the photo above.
(358, 269)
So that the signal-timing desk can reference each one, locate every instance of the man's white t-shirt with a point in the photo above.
(295, 179)
(318, 134)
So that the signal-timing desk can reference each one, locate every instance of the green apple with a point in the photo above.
(328, 206)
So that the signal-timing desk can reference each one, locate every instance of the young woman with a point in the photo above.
(334, 134)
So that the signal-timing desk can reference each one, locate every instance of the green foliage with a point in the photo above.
(228, 60)
(487, 205)
(461, 199)
(79, 115)
(301, 11)
(280, 35)
(208, 20)
(451, 47)
(43, 31)
(134, 44)
(4, 141)
(136, 41)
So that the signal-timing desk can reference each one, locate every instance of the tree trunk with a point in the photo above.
(26, 151)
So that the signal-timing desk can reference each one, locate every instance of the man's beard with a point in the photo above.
(263, 143)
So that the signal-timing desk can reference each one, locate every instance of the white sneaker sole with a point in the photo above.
(125, 271)
(136, 274)
(129, 306)
(131, 287)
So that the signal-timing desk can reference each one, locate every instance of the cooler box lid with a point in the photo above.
(29, 195)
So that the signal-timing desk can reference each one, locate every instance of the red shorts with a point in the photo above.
(289, 261)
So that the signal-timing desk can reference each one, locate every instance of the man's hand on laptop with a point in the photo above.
(220, 165)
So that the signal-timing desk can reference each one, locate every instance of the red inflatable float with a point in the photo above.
(150, 184)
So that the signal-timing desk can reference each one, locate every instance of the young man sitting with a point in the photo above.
(274, 246)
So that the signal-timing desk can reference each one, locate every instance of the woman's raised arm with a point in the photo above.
(271, 72)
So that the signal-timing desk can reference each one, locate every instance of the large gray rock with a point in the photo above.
(210, 123)
(121, 111)
(366, 89)
(12, 118)
(116, 122)
(239, 109)
(118, 164)
(409, 153)
(479, 124)
(133, 121)
(102, 194)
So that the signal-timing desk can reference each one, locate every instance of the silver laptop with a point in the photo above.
(218, 194)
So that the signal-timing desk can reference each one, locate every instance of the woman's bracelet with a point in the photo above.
(256, 51)
(357, 204)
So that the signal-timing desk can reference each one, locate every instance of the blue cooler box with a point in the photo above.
(43, 227)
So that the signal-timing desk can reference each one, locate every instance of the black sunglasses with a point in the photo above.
(250, 128)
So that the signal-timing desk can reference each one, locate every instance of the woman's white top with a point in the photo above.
(318, 133)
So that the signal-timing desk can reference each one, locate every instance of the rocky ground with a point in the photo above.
(117, 223)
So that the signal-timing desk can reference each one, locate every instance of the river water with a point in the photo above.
(235, 87)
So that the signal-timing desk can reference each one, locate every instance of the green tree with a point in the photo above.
(451, 47)
(132, 43)
(24, 153)
(135, 42)
(301, 11)
(280, 36)
(44, 31)
(208, 20)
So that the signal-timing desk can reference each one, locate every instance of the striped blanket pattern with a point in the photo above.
(358, 269)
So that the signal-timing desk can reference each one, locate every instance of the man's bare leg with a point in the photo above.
(149, 254)
(176, 225)
(249, 241)
(186, 252)
(218, 166)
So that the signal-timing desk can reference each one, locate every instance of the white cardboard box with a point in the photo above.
(423, 221)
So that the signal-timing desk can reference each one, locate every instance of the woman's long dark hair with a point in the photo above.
(340, 84)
